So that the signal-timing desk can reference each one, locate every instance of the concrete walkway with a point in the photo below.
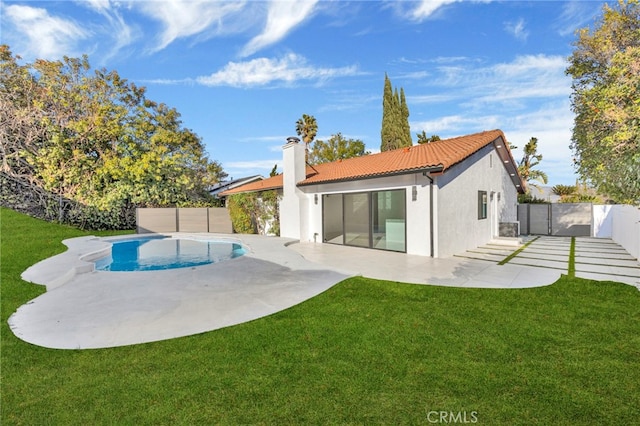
(599, 259)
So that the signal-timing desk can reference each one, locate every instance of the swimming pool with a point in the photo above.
(158, 253)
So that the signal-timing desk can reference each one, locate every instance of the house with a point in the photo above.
(226, 185)
(435, 199)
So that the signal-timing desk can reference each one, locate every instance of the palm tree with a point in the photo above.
(307, 128)
(531, 159)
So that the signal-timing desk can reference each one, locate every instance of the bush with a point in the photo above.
(253, 213)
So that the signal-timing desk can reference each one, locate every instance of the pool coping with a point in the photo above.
(84, 308)
(81, 253)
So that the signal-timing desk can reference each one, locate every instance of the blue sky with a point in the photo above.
(242, 73)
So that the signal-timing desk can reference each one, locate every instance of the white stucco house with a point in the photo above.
(435, 199)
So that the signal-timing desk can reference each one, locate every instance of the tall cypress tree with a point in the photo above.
(395, 131)
(406, 130)
(387, 133)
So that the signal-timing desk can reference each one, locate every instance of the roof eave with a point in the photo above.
(431, 169)
(500, 144)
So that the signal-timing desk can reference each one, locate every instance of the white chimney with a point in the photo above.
(293, 206)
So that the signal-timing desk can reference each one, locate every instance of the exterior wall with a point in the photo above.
(459, 228)
(417, 220)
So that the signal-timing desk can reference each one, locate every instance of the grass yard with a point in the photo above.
(366, 351)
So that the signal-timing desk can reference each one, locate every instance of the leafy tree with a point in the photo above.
(94, 138)
(274, 171)
(395, 131)
(423, 138)
(605, 67)
(336, 148)
(530, 160)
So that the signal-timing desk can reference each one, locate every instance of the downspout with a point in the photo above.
(431, 236)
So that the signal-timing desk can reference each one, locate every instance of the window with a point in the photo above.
(482, 204)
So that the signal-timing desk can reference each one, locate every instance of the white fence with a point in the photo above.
(619, 222)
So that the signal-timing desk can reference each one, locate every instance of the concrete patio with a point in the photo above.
(95, 309)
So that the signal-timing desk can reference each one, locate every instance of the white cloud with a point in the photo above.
(100, 6)
(243, 166)
(42, 35)
(576, 14)
(456, 125)
(527, 77)
(517, 29)
(527, 97)
(184, 18)
(426, 8)
(252, 167)
(429, 99)
(263, 71)
(116, 28)
(282, 17)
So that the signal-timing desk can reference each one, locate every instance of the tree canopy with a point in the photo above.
(336, 148)
(423, 138)
(605, 67)
(395, 132)
(94, 138)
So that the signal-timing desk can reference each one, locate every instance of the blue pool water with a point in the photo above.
(152, 254)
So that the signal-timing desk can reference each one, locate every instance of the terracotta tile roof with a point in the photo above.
(435, 155)
(274, 182)
(444, 153)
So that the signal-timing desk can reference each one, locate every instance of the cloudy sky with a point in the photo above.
(242, 73)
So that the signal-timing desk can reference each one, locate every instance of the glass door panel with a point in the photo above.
(357, 220)
(332, 229)
(389, 220)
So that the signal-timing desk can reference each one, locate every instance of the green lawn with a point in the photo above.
(366, 351)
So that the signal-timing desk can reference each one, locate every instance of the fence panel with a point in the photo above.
(193, 220)
(571, 219)
(156, 220)
(162, 220)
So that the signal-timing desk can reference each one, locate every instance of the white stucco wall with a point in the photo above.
(294, 203)
(459, 228)
(417, 225)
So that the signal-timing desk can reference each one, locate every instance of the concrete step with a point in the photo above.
(505, 241)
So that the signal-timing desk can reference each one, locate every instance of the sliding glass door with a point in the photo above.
(366, 219)
(357, 230)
